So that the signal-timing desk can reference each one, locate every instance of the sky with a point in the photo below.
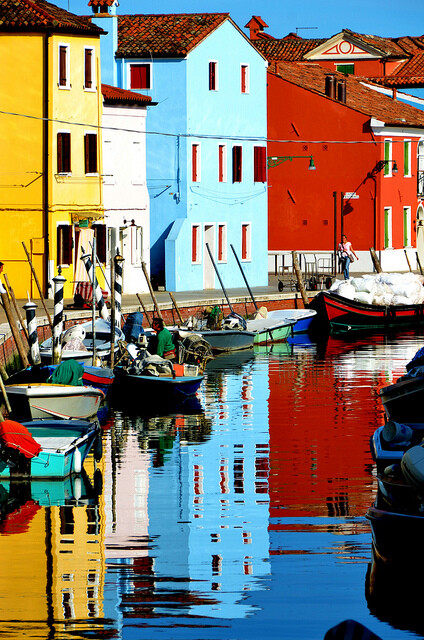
(309, 18)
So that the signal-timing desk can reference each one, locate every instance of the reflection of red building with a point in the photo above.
(322, 413)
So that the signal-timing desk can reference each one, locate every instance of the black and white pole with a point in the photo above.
(101, 305)
(59, 281)
(31, 321)
(118, 289)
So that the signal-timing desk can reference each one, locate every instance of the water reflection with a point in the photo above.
(240, 514)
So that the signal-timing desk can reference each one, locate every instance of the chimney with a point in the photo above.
(341, 91)
(330, 86)
(256, 26)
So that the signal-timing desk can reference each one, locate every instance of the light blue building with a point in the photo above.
(206, 142)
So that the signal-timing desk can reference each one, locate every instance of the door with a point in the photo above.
(208, 268)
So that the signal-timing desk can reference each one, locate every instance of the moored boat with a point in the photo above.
(390, 441)
(162, 389)
(45, 448)
(92, 376)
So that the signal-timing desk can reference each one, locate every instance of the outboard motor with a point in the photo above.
(133, 328)
(234, 321)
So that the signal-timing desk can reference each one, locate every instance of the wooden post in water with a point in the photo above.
(6, 400)
(38, 286)
(407, 260)
(15, 306)
(149, 284)
(171, 295)
(299, 278)
(15, 331)
(144, 309)
(419, 263)
(375, 260)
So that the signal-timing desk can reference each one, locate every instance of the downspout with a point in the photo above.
(46, 163)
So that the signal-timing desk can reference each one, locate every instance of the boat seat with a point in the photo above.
(59, 442)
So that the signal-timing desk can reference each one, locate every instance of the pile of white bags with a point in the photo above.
(382, 288)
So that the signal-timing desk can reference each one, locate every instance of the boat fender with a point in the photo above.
(77, 488)
(98, 448)
(396, 433)
(77, 466)
(412, 464)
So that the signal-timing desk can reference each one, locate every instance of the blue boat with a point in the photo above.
(162, 390)
(45, 448)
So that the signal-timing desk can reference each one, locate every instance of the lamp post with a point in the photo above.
(274, 161)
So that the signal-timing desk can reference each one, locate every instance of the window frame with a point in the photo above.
(407, 157)
(64, 83)
(101, 241)
(259, 164)
(246, 242)
(213, 75)
(222, 242)
(91, 71)
(108, 175)
(388, 150)
(244, 78)
(407, 226)
(388, 228)
(195, 162)
(342, 66)
(237, 163)
(63, 153)
(137, 177)
(222, 163)
(195, 243)
(64, 244)
(89, 155)
(149, 77)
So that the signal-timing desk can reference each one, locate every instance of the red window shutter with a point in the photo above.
(212, 76)
(63, 52)
(243, 78)
(221, 151)
(237, 164)
(244, 242)
(100, 230)
(195, 163)
(194, 232)
(259, 161)
(220, 242)
(88, 83)
(140, 76)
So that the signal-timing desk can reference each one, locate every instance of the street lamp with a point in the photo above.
(274, 161)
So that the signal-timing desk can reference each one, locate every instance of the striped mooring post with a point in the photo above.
(59, 281)
(118, 289)
(31, 320)
(101, 305)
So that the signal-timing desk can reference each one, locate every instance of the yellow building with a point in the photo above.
(50, 160)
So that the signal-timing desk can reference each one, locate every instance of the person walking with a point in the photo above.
(346, 255)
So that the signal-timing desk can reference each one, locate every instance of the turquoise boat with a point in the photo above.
(45, 448)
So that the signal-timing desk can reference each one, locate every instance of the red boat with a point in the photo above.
(348, 315)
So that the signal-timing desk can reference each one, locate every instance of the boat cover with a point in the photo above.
(16, 436)
(68, 372)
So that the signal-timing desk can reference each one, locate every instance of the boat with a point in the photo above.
(269, 330)
(404, 399)
(302, 318)
(44, 400)
(96, 377)
(343, 314)
(220, 340)
(390, 441)
(77, 342)
(45, 448)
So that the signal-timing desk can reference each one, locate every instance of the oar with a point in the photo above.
(219, 277)
(244, 277)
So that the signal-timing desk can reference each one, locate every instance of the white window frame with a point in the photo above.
(407, 150)
(245, 65)
(198, 243)
(196, 177)
(224, 163)
(248, 257)
(93, 87)
(408, 234)
(215, 62)
(67, 46)
(224, 242)
(138, 63)
(389, 217)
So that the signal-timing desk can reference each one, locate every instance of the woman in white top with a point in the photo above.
(346, 255)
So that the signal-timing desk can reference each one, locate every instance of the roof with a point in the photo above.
(114, 95)
(160, 35)
(288, 48)
(311, 76)
(39, 15)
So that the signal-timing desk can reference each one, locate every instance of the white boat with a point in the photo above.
(77, 342)
(44, 400)
(270, 329)
(301, 318)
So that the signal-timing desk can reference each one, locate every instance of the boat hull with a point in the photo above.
(158, 389)
(404, 400)
(348, 315)
(65, 445)
(35, 401)
(224, 340)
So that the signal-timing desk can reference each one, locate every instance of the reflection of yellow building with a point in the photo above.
(50, 165)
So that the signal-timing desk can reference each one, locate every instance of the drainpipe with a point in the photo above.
(46, 161)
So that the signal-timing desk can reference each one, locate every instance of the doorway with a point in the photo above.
(208, 268)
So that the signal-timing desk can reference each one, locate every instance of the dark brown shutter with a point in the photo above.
(90, 144)
(100, 230)
(63, 52)
(259, 161)
(88, 83)
(64, 152)
(237, 160)
(64, 244)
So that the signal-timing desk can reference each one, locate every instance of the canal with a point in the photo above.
(241, 517)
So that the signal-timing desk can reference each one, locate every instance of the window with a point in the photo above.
(222, 163)
(136, 244)
(420, 168)
(244, 78)
(64, 152)
(388, 157)
(259, 164)
(140, 76)
(346, 68)
(90, 151)
(195, 162)
(406, 226)
(222, 242)
(64, 244)
(108, 164)
(237, 164)
(245, 242)
(64, 66)
(137, 163)
(195, 243)
(407, 158)
(88, 68)
(100, 231)
(387, 227)
(213, 76)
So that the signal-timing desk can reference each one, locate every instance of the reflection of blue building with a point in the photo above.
(206, 150)
(208, 505)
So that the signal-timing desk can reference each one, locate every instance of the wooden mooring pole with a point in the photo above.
(299, 278)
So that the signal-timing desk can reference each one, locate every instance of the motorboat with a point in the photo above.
(92, 376)
(390, 441)
(45, 448)
(77, 342)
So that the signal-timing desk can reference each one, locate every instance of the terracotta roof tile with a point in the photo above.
(113, 95)
(287, 48)
(311, 76)
(164, 35)
(39, 15)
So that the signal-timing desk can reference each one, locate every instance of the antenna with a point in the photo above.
(297, 28)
